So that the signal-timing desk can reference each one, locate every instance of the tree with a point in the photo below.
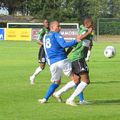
(12, 5)
(115, 8)
(81, 8)
(64, 10)
(104, 8)
(45, 8)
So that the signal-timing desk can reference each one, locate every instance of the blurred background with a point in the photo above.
(105, 14)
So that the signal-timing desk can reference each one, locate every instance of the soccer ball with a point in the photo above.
(109, 52)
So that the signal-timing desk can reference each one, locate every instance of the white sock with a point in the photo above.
(78, 90)
(68, 86)
(37, 71)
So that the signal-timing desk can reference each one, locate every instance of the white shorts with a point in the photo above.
(63, 66)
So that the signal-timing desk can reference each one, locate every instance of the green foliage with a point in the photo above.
(73, 10)
(65, 10)
(12, 5)
(109, 28)
(3, 24)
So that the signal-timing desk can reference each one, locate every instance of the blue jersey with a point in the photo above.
(54, 46)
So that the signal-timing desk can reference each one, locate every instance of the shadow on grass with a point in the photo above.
(107, 82)
(105, 102)
(108, 60)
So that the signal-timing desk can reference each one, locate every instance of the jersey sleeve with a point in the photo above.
(40, 34)
(61, 41)
(82, 30)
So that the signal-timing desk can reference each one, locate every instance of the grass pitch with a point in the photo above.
(19, 100)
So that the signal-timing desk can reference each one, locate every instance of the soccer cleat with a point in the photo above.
(58, 98)
(32, 80)
(83, 102)
(72, 103)
(42, 101)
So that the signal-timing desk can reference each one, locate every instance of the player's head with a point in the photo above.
(55, 26)
(88, 22)
(46, 23)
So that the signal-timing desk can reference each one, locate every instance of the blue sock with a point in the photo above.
(81, 96)
(51, 90)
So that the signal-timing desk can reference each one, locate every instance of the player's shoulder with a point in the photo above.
(41, 30)
(58, 35)
(81, 26)
(49, 34)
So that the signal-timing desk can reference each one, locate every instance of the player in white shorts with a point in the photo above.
(63, 66)
(54, 46)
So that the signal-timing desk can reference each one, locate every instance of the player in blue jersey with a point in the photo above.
(54, 46)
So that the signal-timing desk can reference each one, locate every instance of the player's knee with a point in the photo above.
(76, 81)
(88, 82)
(85, 78)
(56, 81)
(75, 78)
(42, 66)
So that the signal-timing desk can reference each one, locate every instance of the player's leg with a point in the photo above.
(41, 57)
(56, 79)
(81, 95)
(65, 88)
(37, 71)
(69, 85)
(67, 69)
(77, 80)
(82, 85)
(65, 66)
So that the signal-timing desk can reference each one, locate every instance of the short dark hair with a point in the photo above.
(45, 19)
(88, 19)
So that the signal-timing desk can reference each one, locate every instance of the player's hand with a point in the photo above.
(90, 30)
(78, 38)
(40, 43)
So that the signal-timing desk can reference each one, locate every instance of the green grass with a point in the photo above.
(19, 100)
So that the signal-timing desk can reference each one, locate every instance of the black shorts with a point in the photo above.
(41, 55)
(79, 66)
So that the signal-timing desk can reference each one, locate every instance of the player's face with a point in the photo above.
(87, 23)
(46, 23)
(57, 27)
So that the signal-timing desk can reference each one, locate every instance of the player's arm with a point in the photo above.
(40, 43)
(83, 36)
(69, 50)
(61, 41)
(40, 36)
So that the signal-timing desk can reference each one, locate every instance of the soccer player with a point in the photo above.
(79, 66)
(54, 46)
(41, 54)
